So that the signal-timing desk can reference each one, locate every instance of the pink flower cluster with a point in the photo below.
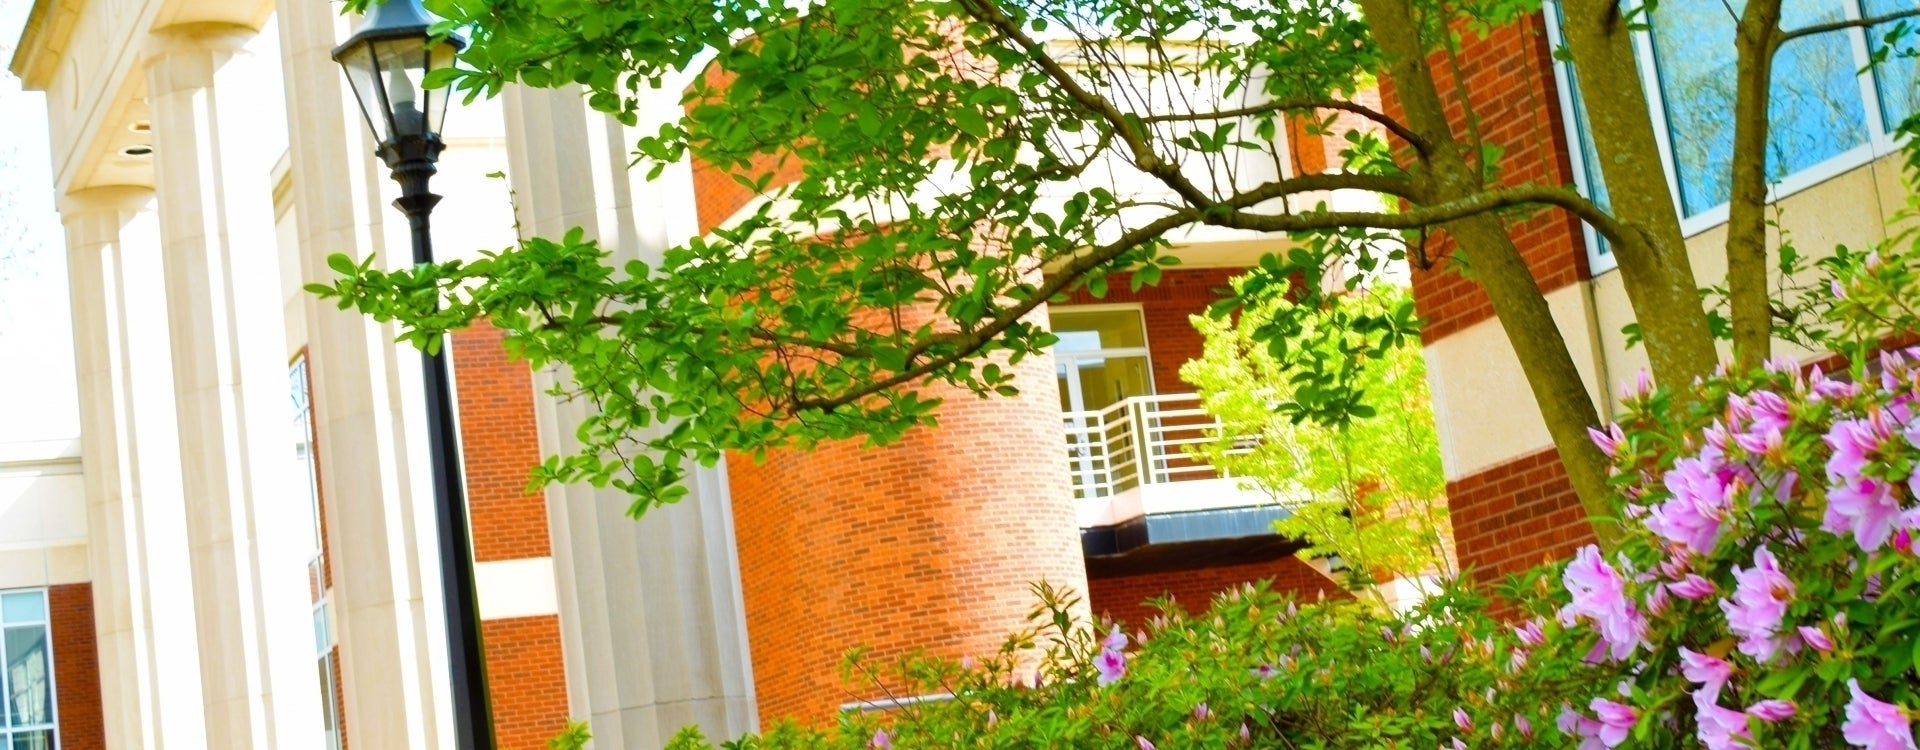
(1727, 524)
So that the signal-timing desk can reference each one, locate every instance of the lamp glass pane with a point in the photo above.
(358, 64)
(401, 64)
(441, 56)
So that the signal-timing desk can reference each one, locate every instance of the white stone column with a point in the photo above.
(221, 273)
(375, 508)
(651, 620)
(149, 669)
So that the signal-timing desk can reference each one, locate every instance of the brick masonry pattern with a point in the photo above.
(1124, 598)
(930, 543)
(527, 680)
(500, 444)
(76, 667)
(1509, 78)
(1515, 515)
(526, 673)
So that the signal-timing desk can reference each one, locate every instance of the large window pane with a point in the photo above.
(23, 607)
(1896, 77)
(41, 739)
(1816, 110)
(30, 694)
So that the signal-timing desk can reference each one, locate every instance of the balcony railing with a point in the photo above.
(1141, 441)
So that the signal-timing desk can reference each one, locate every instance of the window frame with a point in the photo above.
(7, 730)
(1880, 141)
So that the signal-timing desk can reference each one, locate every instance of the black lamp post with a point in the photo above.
(385, 61)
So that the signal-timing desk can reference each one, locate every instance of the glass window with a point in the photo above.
(1586, 163)
(1090, 330)
(26, 672)
(299, 388)
(1896, 77)
(1816, 109)
(23, 606)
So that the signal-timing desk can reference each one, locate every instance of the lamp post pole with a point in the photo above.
(385, 61)
(466, 662)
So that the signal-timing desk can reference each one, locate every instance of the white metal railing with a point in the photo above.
(1139, 441)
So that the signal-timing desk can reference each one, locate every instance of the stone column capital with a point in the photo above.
(121, 199)
(185, 55)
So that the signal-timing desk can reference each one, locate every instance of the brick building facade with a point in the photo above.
(728, 609)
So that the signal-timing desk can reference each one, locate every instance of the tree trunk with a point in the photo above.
(1654, 265)
(1747, 264)
(1498, 266)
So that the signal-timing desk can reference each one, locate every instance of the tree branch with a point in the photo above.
(968, 343)
(1380, 118)
(1422, 217)
(1822, 28)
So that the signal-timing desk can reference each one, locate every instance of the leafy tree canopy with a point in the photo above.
(959, 163)
(1369, 491)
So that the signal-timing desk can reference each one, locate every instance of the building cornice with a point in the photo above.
(49, 27)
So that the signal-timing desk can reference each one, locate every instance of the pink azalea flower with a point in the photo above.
(1772, 710)
(1587, 728)
(1852, 441)
(1201, 712)
(1692, 588)
(1145, 744)
(1692, 518)
(1599, 594)
(1769, 412)
(1523, 726)
(1816, 638)
(1875, 724)
(1719, 728)
(1866, 507)
(1462, 720)
(1758, 603)
(1531, 633)
(1111, 663)
(880, 740)
(1609, 441)
(1705, 670)
(1657, 601)
(1616, 720)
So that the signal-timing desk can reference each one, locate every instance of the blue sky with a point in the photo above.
(37, 400)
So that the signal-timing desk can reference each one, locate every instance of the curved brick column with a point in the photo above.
(929, 543)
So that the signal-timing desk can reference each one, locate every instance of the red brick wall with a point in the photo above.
(1509, 79)
(76, 667)
(1171, 338)
(930, 543)
(1124, 597)
(500, 445)
(1516, 515)
(339, 701)
(526, 676)
(527, 681)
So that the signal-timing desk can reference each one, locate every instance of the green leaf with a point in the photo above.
(970, 122)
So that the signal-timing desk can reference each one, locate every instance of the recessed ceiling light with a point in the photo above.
(140, 126)
(138, 151)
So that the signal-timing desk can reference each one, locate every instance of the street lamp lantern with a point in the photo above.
(387, 61)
